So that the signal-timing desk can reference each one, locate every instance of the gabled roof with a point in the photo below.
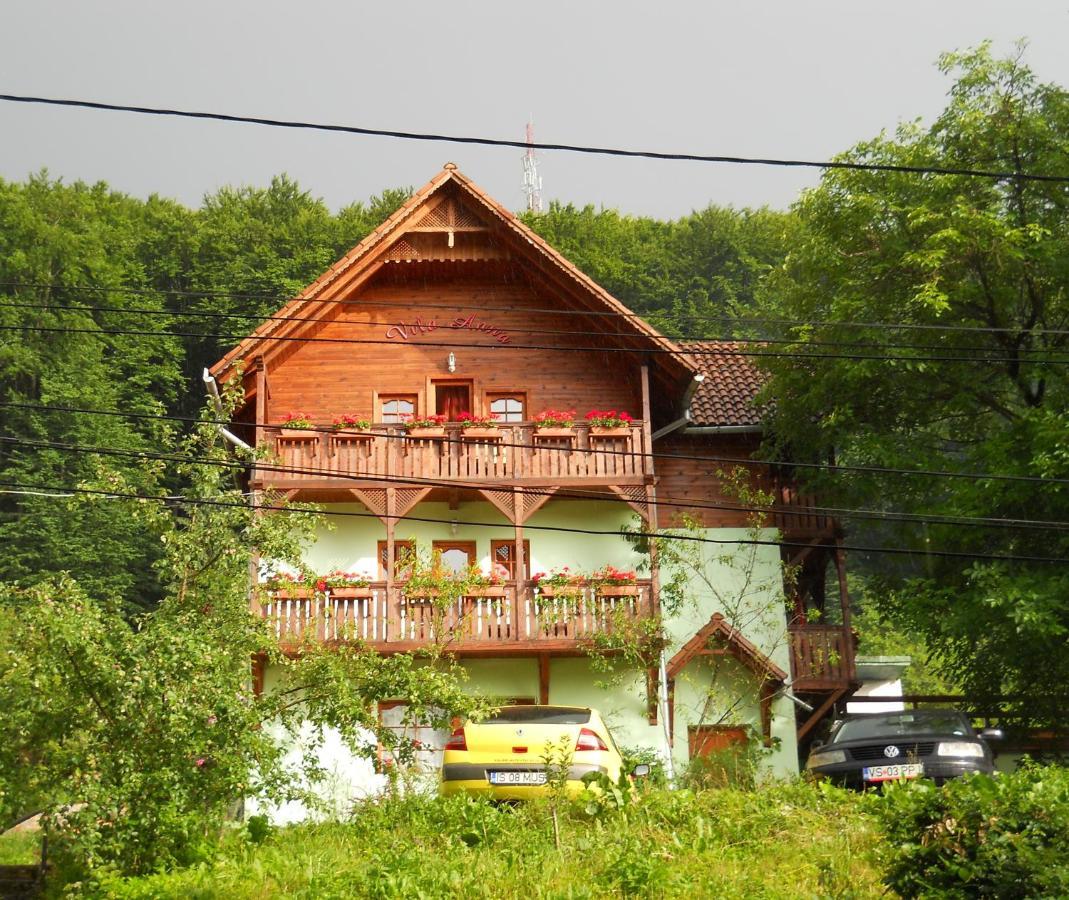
(731, 383)
(719, 629)
(366, 257)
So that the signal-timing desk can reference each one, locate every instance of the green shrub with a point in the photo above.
(1005, 837)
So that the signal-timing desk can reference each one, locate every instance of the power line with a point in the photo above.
(645, 351)
(166, 313)
(561, 493)
(255, 505)
(499, 142)
(693, 317)
(732, 460)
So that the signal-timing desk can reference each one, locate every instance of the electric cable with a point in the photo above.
(524, 145)
(733, 460)
(256, 505)
(576, 493)
(165, 313)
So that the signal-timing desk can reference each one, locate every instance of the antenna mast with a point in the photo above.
(532, 181)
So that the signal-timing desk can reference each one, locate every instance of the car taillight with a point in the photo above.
(588, 740)
(457, 741)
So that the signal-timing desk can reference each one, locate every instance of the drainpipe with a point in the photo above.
(217, 402)
(688, 395)
(724, 429)
(662, 703)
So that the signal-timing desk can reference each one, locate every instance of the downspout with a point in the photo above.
(688, 395)
(662, 703)
(217, 402)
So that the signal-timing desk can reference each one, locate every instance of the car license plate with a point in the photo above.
(892, 772)
(524, 778)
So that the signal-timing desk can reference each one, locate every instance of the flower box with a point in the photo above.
(342, 593)
(490, 590)
(298, 434)
(427, 433)
(555, 432)
(619, 590)
(286, 592)
(600, 431)
(481, 434)
(564, 590)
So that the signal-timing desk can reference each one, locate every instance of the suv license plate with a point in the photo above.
(892, 772)
(525, 778)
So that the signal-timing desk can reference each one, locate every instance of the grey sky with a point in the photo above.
(777, 78)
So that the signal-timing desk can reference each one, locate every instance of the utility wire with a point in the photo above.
(645, 351)
(732, 460)
(459, 307)
(798, 342)
(524, 145)
(562, 493)
(256, 505)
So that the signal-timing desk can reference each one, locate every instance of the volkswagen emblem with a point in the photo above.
(891, 751)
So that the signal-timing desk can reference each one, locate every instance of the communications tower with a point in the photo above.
(532, 181)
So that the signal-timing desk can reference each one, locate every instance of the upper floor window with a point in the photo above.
(396, 407)
(507, 407)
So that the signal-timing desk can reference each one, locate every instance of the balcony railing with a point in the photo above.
(509, 453)
(822, 657)
(795, 512)
(489, 619)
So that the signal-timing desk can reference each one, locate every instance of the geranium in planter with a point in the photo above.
(297, 425)
(344, 584)
(558, 582)
(349, 424)
(614, 582)
(425, 426)
(291, 584)
(555, 423)
(478, 427)
(609, 422)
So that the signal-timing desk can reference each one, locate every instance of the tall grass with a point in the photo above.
(775, 842)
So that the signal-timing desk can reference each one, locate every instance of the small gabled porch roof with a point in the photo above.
(718, 629)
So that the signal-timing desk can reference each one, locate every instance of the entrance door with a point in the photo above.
(718, 755)
(452, 398)
(456, 557)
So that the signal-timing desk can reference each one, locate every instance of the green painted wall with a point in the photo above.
(740, 581)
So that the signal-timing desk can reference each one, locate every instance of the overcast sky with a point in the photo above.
(783, 78)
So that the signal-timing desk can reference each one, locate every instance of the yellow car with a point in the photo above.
(505, 755)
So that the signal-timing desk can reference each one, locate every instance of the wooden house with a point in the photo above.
(454, 308)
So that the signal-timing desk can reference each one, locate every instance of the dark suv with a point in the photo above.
(866, 750)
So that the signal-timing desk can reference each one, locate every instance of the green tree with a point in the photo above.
(989, 254)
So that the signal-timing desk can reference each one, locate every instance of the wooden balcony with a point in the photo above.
(509, 455)
(822, 657)
(493, 621)
(797, 514)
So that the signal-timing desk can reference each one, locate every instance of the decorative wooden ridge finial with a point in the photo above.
(450, 167)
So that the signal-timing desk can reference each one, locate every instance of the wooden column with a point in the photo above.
(543, 678)
(519, 595)
(651, 490)
(260, 375)
(392, 620)
(844, 605)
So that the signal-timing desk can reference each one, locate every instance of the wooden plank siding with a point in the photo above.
(327, 379)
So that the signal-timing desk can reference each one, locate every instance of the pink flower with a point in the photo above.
(201, 763)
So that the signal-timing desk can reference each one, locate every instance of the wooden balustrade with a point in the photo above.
(795, 512)
(822, 657)
(489, 619)
(510, 453)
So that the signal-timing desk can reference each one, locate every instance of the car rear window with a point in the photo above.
(903, 724)
(538, 715)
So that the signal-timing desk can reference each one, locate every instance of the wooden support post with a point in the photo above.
(844, 606)
(258, 674)
(260, 375)
(819, 713)
(651, 491)
(543, 679)
(392, 620)
(519, 595)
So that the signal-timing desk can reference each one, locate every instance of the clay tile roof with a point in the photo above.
(731, 383)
